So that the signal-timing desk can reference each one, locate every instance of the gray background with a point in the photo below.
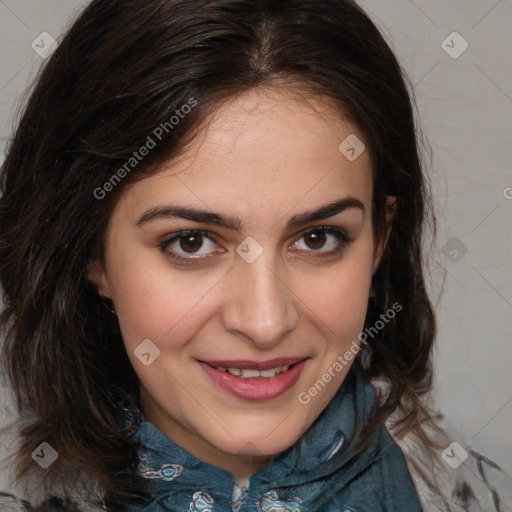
(465, 110)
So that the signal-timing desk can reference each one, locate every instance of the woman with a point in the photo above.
(211, 229)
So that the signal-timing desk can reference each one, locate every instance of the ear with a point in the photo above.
(391, 206)
(97, 276)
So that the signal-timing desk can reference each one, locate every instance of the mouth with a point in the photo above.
(252, 380)
(246, 373)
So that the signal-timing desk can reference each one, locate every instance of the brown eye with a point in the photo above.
(189, 246)
(191, 243)
(315, 239)
(323, 241)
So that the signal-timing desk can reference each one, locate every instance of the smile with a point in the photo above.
(270, 380)
(254, 374)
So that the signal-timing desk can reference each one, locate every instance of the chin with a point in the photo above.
(268, 442)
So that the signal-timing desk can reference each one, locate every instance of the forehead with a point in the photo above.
(265, 148)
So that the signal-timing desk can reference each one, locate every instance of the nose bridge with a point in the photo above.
(262, 307)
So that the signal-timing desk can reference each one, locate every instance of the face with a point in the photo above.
(253, 252)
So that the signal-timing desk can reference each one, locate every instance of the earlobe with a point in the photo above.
(391, 206)
(97, 277)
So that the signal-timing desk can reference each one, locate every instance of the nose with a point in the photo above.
(261, 306)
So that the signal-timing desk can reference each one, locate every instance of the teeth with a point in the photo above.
(268, 373)
(250, 374)
(253, 374)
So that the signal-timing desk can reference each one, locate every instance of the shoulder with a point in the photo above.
(27, 496)
(14, 504)
(464, 479)
(11, 503)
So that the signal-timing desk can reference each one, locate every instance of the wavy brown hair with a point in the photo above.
(124, 68)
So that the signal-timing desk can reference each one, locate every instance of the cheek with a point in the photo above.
(340, 297)
(344, 314)
(153, 301)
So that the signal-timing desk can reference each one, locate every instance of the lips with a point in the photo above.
(253, 374)
(253, 386)
(245, 364)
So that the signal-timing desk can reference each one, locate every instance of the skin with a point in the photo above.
(264, 157)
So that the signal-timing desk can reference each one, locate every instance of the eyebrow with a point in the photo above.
(236, 224)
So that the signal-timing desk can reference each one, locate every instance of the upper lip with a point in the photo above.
(245, 364)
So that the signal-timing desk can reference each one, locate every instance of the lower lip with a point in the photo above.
(257, 388)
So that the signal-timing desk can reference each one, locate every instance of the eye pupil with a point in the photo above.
(317, 238)
(191, 243)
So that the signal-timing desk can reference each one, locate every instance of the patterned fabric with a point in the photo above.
(314, 475)
(9, 503)
(472, 484)
(321, 472)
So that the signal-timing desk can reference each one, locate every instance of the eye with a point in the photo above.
(323, 241)
(195, 245)
(187, 245)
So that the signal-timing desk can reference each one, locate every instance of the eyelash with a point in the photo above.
(343, 241)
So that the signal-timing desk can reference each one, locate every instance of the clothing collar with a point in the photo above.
(320, 464)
